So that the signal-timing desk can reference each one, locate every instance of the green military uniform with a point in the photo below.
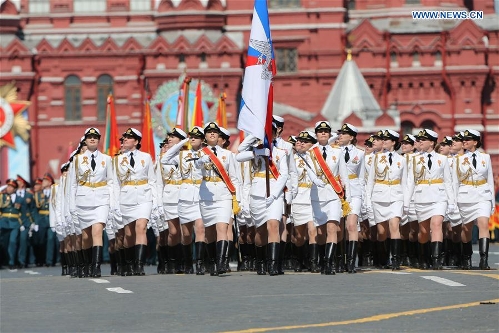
(43, 252)
(27, 210)
(10, 223)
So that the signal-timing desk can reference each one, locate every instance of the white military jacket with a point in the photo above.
(304, 181)
(292, 182)
(356, 170)
(190, 175)
(134, 185)
(429, 185)
(472, 184)
(90, 188)
(386, 183)
(337, 165)
(210, 190)
(257, 171)
(168, 182)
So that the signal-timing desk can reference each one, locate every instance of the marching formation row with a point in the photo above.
(314, 199)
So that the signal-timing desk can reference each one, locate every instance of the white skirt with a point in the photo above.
(471, 211)
(188, 211)
(302, 214)
(171, 211)
(355, 205)
(215, 212)
(454, 218)
(412, 216)
(426, 210)
(245, 221)
(75, 226)
(384, 211)
(132, 213)
(324, 211)
(88, 216)
(260, 213)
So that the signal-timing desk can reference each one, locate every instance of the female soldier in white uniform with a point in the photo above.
(474, 185)
(385, 196)
(445, 149)
(188, 202)
(136, 194)
(455, 218)
(409, 225)
(327, 165)
(354, 159)
(90, 198)
(266, 211)
(301, 209)
(161, 223)
(431, 184)
(217, 194)
(170, 180)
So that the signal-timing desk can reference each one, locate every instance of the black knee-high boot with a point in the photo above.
(112, 259)
(340, 257)
(161, 261)
(212, 257)
(200, 251)
(282, 256)
(260, 262)
(221, 253)
(467, 251)
(122, 261)
(351, 254)
(171, 263)
(140, 258)
(382, 254)
(273, 256)
(436, 255)
(130, 261)
(395, 250)
(329, 256)
(423, 255)
(96, 260)
(187, 253)
(228, 255)
(64, 264)
(483, 248)
(298, 254)
(313, 258)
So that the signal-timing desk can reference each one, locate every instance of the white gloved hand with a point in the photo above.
(262, 152)
(369, 210)
(247, 142)
(161, 212)
(36, 228)
(269, 200)
(406, 210)
(53, 229)
(319, 183)
(294, 194)
(22, 228)
(204, 159)
(288, 196)
(451, 208)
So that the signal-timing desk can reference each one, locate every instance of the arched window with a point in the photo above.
(72, 98)
(407, 128)
(428, 124)
(104, 87)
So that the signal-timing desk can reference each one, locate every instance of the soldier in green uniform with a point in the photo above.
(27, 207)
(44, 237)
(10, 221)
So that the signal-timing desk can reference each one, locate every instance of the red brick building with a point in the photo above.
(66, 55)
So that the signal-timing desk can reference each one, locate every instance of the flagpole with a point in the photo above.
(187, 82)
(267, 175)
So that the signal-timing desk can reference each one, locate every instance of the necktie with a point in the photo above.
(474, 160)
(429, 161)
(347, 155)
(324, 154)
(92, 163)
(390, 158)
(214, 150)
(132, 161)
